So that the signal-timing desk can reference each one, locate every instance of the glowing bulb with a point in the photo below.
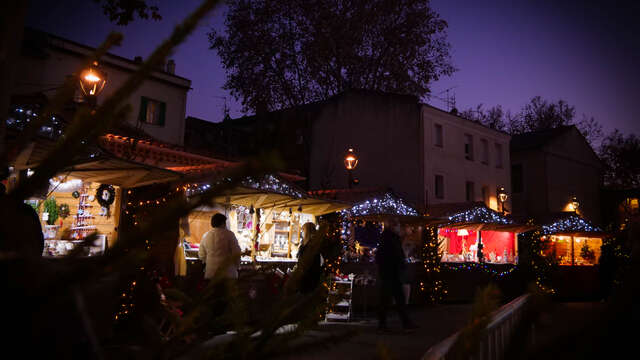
(92, 77)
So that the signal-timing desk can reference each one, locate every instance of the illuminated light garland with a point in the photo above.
(387, 205)
(432, 282)
(477, 266)
(572, 223)
(20, 116)
(479, 214)
(273, 184)
(268, 183)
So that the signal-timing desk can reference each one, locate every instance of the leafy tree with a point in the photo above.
(621, 157)
(122, 12)
(493, 117)
(537, 115)
(280, 54)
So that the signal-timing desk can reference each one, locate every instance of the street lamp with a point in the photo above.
(575, 204)
(92, 81)
(502, 196)
(350, 163)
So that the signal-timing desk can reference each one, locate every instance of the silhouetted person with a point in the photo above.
(391, 268)
(313, 271)
(20, 229)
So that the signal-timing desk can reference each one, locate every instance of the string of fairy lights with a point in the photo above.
(480, 267)
(432, 283)
(571, 223)
(388, 204)
(479, 214)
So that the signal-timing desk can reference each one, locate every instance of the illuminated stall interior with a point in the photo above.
(466, 225)
(572, 240)
(278, 207)
(363, 222)
(85, 197)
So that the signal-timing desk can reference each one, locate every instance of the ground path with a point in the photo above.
(436, 323)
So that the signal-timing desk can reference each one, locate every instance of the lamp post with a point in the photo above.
(92, 81)
(575, 204)
(350, 163)
(502, 196)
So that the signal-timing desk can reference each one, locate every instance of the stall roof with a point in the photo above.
(97, 165)
(472, 215)
(271, 191)
(372, 203)
(568, 223)
(115, 171)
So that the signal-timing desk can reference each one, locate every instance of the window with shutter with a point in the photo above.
(152, 112)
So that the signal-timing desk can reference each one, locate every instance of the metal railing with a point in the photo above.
(494, 339)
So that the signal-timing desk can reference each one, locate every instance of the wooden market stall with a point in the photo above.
(474, 233)
(266, 215)
(572, 240)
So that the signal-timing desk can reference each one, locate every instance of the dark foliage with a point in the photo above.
(539, 114)
(620, 156)
(122, 12)
(280, 54)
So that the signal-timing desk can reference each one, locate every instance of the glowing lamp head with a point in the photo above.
(350, 160)
(502, 194)
(575, 204)
(92, 80)
(463, 232)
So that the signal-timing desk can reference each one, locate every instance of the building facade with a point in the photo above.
(464, 160)
(158, 105)
(551, 167)
(393, 138)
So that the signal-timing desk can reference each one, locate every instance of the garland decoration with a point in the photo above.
(63, 210)
(106, 195)
(432, 283)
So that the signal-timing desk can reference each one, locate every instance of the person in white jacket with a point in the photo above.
(219, 248)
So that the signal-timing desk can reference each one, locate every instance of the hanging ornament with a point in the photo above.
(106, 195)
(63, 211)
(75, 194)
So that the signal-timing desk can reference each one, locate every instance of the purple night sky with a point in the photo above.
(506, 52)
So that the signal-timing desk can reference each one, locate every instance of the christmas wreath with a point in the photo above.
(63, 210)
(106, 195)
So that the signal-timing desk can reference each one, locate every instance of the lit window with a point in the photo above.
(152, 111)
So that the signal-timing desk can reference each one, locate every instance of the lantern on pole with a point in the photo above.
(575, 204)
(502, 196)
(350, 163)
(92, 81)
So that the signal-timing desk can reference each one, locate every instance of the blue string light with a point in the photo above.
(387, 205)
(572, 223)
(479, 214)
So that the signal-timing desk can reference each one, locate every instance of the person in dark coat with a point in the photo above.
(391, 270)
(313, 272)
(20, 229)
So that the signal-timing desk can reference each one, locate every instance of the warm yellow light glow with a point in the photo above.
(350, 160)
(463, 232)
(92, 77)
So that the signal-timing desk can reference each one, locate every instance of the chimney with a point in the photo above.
(137, 59)
(171, 67)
